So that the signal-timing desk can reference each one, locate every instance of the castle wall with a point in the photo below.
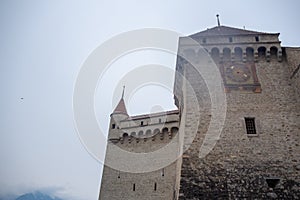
(264, 165)
(120, 185)
(142, 134)
(239, 164)
(293, 60)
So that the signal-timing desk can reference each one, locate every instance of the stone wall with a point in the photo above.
(293, 60)
(120, 185)
(240, 164)
(142, 135)
(264, 165)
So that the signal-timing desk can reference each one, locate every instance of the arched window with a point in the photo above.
(273, 52)
(215, 54)
(249, 54)
(148, 133)
(174, 130)
(238, 54)
(141, 133)
(165, 130)
(156, 131)
(261, 52)
(226, 54)
(123, 138)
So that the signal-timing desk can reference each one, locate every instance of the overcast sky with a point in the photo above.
(43, 46)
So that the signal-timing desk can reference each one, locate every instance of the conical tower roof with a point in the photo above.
(120, 108)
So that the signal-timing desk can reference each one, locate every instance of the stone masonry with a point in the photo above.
(257, 153)
(264, 165)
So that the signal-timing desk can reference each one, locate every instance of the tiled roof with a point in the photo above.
(121, 108)
(225, 30)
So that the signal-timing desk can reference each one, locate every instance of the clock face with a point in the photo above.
(240, 76)
(238, 73)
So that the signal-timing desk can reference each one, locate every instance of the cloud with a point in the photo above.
(7, 193)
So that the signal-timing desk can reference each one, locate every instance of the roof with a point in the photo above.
(120, 108)
(225, 30)
(136, 117)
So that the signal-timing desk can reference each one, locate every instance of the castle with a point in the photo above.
(255, 154)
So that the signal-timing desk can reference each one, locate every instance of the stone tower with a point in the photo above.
(256, 153)
(140, 134)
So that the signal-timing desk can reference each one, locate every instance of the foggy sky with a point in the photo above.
(43, 46)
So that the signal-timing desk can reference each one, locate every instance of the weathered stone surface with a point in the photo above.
(272, 195)
(239, 164)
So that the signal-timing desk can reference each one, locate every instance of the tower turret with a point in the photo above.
(119, 113)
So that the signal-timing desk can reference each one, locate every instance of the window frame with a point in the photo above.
(250, 126)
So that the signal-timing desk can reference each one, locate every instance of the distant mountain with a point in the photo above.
(37, 196)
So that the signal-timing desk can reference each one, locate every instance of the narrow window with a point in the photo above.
(230, 39)
(155, 186)
(250, 125)
(256, 38)
(159, 120)
(142, 123)
(204, 40)
(133, 187)
(113, 126)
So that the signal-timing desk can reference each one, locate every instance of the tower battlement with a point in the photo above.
(144, 127)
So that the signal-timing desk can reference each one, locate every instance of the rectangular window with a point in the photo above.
(133, 187)
(230, 39)
(250, 125)
(256, 38)
(142, 123)
(113, 126)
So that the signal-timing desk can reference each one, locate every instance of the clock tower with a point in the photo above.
(256, 154)
(240, 76)
(236, 52)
